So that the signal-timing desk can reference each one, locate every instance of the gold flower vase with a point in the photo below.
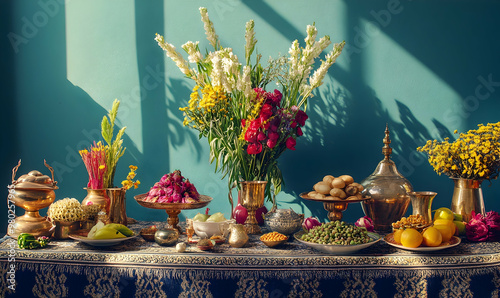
(97, 197)
(117, 209)
(252, 195)
(467, 197)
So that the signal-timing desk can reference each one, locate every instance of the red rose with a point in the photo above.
(271, 143)
(261, 136)
(293, 124)
(299, 131)
(301, 117)
(266, 111)
(273, 136)
(290, 143)
(254, 125)
(251, 135)
(254, 148)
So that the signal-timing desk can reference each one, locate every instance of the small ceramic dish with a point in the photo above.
(207, 247)
(209, 229)
(274, 243)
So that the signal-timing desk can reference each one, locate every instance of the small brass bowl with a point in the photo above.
(148, 234)
(274, 243)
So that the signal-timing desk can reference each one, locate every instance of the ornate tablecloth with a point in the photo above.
(137, 268)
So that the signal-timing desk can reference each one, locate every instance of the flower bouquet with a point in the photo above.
(472, 158)
(101, 161)
(247, 127)
(473, 155)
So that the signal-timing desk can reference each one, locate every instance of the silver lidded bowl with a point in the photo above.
(284, 221)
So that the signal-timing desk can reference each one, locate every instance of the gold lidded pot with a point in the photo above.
(32, 192)
(387, 191)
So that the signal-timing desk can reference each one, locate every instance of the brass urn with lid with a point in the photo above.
(32, 192)
(387, 191)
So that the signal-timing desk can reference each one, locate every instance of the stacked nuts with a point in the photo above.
(340, 188)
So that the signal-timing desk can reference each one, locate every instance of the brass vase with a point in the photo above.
(467, 197)
(117, 209)
(97, 197)
(252, 195)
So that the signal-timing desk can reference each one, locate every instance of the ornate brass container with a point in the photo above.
(387, 192)
(32, 192)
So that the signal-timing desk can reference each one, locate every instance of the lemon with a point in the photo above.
(397, 236)
(445, 231)
(432, 237)
(411, 238)
(446, 222)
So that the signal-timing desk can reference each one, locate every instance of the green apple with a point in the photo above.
(460, 227)
(458, 217)
(443, 213)
(201, 217)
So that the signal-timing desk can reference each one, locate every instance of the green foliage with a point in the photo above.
(114, 149)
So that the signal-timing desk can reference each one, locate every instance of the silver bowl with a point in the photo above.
(166, 237)
(284, 221)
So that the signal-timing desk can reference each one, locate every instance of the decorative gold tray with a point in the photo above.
(334, 207)
(173, 209)
(204, 200)
(304, 195)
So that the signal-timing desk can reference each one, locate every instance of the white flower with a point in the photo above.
(250, 40)
(193, 51)
(170, 51)
(312, 32)
(317, 78)
(209, 27)
(293, 61)
(217, 72)
(245, 83)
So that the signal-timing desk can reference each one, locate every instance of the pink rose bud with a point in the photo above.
(365, 222)
(310, 223)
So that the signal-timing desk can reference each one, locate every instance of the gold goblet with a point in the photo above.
(252, 196)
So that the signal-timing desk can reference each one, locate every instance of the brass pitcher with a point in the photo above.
(238, 237)
(467, 197)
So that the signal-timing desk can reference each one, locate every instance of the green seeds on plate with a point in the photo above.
(338, 233)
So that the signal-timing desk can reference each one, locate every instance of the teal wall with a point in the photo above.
(418, 66)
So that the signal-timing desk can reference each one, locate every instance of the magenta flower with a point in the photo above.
(301, 117)
(492, 220)
(365, 222)
(290, 143)
(476, 229)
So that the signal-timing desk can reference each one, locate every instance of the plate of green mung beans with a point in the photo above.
(337, 238)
